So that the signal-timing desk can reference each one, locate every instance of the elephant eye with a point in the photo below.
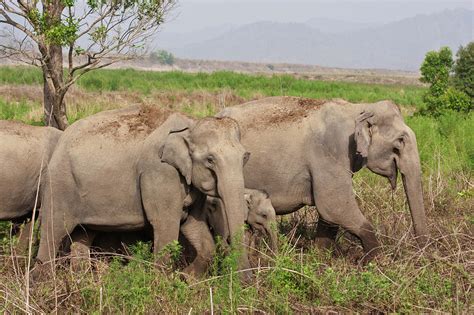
(246, 157)
(210, 160)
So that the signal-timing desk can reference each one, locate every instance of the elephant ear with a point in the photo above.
(362, 133)
(248, 201)
(175, 151)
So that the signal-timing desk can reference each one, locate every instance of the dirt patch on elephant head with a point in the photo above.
(295, 109)
(140, 123)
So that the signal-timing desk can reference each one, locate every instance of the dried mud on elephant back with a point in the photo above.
(144, 122)
(296, 109)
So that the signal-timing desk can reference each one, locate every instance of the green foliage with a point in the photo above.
(171, 251)
(163, 57)
(130, 287)
(464, 70)
(442, 97)
(436, 68)
(63, 32)
(229, 289)
(445, 144)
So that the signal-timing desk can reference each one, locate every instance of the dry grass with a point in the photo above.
(300, 279)
(81, 103)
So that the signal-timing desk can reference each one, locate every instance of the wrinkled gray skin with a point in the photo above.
(22, 147)
(261, 217)
(124, 170)
(206, 220)
(304, 152)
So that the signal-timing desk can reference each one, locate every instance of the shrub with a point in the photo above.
(163, 57)
(464, 70)
(441, 97)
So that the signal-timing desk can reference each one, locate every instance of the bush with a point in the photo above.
(464, 70)
(442, 97)
(163, 57)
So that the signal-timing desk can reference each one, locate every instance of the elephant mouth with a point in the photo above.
(393, 175)
(210, 192)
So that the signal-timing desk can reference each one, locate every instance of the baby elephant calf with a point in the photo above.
(203, 224)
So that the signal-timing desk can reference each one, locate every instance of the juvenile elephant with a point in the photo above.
(201, 226)
(128, 169)
(305, 152)
(24, 153)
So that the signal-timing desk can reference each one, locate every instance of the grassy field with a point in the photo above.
(299, 279)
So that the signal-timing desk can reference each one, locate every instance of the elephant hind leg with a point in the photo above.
(53, 232)
(326, 234)
(52, 235)
(82, 240)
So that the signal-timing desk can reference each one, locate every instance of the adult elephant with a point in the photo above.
(24, 153)
(305, 152)
(126, 169)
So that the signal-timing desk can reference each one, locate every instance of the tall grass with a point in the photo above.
(300, 278)
(243, 85)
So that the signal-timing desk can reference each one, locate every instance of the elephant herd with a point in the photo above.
(146, 168)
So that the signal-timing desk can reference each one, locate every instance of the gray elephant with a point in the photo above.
(305, 152)
(201, 226)
(24, 150)
(205, 221)
(128, 169)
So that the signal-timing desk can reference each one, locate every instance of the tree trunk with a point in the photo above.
(52, 65)
(54, 104)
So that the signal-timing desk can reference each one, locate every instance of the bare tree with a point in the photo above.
(89, 34)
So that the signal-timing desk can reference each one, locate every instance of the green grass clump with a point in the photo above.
(20, 75)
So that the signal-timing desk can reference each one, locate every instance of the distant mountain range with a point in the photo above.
(397, 45)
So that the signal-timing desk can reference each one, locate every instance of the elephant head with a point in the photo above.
(210, 157)
(261, 215)
(387, 145)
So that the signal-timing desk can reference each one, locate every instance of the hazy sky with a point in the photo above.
(191, 15)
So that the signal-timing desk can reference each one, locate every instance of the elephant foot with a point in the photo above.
(326, 235)
(369, 256)
(246, 276)
(189, 275)
(198, 268)
(80, 257)
(41, 272)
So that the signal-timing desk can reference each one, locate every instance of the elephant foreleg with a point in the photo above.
(336, 204)
(163, 204)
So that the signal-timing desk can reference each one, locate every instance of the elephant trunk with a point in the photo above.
(411, 175)
(272, 232)
(230, 187)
